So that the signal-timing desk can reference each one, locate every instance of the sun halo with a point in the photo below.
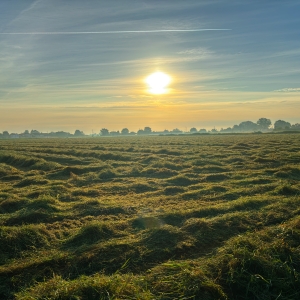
(158, 82)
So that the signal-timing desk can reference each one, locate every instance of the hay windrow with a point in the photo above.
(173, 217)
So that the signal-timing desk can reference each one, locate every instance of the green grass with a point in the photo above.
(177, 217)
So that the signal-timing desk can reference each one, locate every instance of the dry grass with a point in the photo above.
(186, 217)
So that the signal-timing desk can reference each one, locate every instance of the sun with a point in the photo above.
(158, 82)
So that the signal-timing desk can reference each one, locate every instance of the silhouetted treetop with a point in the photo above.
(5, 134)
(264, 123)
(247, 126)
(125, 131)
(34, 132)
(147, 130)
(104, 131)
(78, 133)
(282, 125)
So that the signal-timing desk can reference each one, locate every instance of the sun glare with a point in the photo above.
(158, 82)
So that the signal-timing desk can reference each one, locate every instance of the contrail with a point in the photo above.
(111, 32)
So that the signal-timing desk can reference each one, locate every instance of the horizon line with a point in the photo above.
(112, 31)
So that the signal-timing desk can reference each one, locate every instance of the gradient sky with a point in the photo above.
(87, 71)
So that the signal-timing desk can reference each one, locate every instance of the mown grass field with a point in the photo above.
(182, 217)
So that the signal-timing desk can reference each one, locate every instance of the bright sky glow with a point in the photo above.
(158, 82)
(67, 65)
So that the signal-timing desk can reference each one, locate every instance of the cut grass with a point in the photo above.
(187, 217)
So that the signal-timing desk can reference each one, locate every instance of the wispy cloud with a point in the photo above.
(32, 6)
(290, 53)
(196, 51)
(113, 31)
(288, 90)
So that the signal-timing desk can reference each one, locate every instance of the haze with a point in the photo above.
(67, 65)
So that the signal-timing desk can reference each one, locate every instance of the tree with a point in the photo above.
(264, 123)
(248, 126)
(296, 126)
(193, 129)
(34, 132)
(147, 130)
(104, 131)
(114, 133)
(140, 131)
(78, 133)
(176, 130)
(125, 131)
(226, 130)
(235, 128)
(281, 125)
(63, 134)
(5, 134)
(203, 130)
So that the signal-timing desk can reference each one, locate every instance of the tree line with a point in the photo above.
(262, 125)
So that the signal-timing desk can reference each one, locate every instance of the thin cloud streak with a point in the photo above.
(288, 90)
(113, 31)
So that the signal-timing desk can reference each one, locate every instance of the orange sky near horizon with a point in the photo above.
(159, 114)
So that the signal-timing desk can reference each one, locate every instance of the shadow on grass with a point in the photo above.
(41, 210)
(31, 217)
(31, 181)
(15, 240)
(216, 177)
(288, 173)
(181, 180)
(90, 234)
(177, 219)
(11, 177)
(93, 208)
(12, 205)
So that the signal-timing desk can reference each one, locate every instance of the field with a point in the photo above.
(178, 217)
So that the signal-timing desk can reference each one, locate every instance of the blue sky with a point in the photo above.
(53, 78)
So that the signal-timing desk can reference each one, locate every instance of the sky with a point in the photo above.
(72, 64)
